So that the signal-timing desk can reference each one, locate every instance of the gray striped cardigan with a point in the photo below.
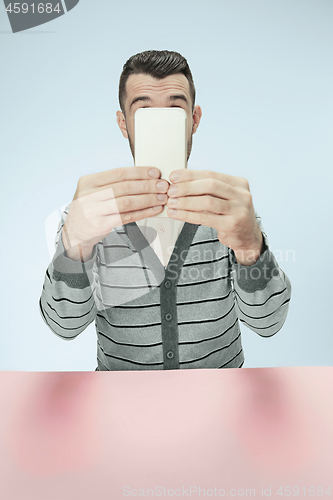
(148, 317)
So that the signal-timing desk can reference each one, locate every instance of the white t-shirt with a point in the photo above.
(168, 231)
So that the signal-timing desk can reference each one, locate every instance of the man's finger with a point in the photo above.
(199, 218)
(189, 175)
(127, 217)
(131, 203)
(101, 179)
(201, 204)
(126, 188)
(207, 186)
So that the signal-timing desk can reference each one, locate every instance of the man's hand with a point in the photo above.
(221, 201)
(109, 199)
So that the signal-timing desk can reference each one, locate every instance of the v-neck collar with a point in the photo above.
(149, 257)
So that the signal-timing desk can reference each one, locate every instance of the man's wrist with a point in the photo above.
(248, 257)
(77, 251)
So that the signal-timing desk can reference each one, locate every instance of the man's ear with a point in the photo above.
(197, 113)
(122, 123)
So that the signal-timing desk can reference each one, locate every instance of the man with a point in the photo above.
(165, 293)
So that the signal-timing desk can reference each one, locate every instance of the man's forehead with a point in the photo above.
(139, 83)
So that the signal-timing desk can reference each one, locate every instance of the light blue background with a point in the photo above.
(264, 78)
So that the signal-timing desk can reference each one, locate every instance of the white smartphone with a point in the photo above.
(160, 140)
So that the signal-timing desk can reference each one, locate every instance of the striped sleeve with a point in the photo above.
(261, 292)
(67, 303)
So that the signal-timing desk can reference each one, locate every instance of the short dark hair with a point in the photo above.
(157, 63)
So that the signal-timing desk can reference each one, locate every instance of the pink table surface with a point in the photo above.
(162, 434)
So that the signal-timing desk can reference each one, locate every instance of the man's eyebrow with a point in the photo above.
(140, 98)
(178, 96)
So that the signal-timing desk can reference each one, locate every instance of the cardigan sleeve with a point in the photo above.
(262, 291)
(67, 303)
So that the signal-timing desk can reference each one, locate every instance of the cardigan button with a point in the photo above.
(170, 354)
(168, 316)
(167, 284)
